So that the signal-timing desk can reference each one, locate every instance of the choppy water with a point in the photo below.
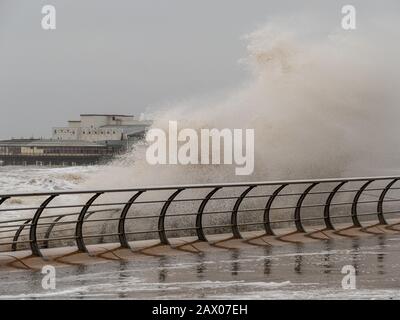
(309, 271)
(16, 179)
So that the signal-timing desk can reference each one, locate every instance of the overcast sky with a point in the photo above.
(125, 56)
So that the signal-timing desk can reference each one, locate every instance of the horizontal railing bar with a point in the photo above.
(157, 216)
(391, 212)
(54, 207)
(188, 228)
(12, 221)
(218, 226)
(55, 231)
(10, 230)
(278, 195)
(141, 232)
(235, 197)
(8, 237)
(58, 238)
(143, 217)
(57, 223)
(177, 229)
(76, 213)
(14, 242)
(201, 186)
(183, 214)
(59, 207)
(300, 193)
(123, 203)
(181, 200)
(56, 216)
(16, 225)
(195, 213)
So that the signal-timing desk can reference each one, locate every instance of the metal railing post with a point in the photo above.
(33, 230)
(121, 224)
(354, 217)
(235, 228)
(199, 216)
(79, 224)
(267, 222)
(18, 233)
(297, 212)
(161, 221)
(3, 199)
(327, 208)
(381, 217)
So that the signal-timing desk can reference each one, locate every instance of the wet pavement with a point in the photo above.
(294, 271)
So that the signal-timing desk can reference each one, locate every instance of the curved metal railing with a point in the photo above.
(51, 219)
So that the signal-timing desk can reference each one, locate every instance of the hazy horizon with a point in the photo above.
(134, 56)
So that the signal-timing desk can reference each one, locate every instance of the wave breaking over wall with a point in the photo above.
(325, 107)
(320, 107)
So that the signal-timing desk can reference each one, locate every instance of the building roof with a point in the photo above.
(105, 115)
(133, 126)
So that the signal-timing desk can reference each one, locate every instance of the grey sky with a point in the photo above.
(124, 56)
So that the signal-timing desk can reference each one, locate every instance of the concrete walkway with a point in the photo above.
(148, 249)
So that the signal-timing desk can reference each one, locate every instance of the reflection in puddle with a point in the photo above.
(298, 259)
(235, 256)
(163, 271)
(201, 266)
(380, 257)
(290, 271)
(267, 260)
(327, 264)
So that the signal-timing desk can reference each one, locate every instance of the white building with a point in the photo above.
(102, 127)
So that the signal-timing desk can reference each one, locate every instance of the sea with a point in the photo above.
(20, 179)
(293, 271)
